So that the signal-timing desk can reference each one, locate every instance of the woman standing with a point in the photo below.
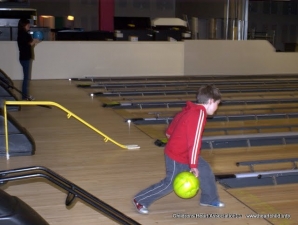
(25, 44)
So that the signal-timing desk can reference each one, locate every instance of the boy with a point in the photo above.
(183, 149)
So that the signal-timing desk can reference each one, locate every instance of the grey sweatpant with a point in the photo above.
(207, 183)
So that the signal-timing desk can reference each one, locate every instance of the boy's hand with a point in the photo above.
(195, 171)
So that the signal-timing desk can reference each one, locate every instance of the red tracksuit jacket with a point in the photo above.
(185, 131)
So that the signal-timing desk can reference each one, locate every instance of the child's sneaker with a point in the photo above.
(216, 204)
(140, 208)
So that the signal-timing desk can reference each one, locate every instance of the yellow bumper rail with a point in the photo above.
(69, 114)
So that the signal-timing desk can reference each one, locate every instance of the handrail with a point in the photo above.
(73, 190)
(69, 114)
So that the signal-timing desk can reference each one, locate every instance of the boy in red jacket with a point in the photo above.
(182, 152)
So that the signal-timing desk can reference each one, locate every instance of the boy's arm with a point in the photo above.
(172, 125)
(194, 137)
(170, 128)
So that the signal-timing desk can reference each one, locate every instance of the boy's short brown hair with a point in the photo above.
(207, 92)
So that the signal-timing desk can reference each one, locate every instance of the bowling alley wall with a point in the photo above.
(66, 59)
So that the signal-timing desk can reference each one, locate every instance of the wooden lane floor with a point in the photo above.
(157, 131)
(222, 87)
(164, 92)
(177, 81)
(181, 100)
(251, 125)
(194, 86)
(281, 86)
(224, 161)
(222, 110)
(250, 96)
(114, 175)
(245, 96)
(181, 79)
(187, 97)
(272, 204)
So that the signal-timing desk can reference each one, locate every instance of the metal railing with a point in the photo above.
(73, 190)
(69, 115)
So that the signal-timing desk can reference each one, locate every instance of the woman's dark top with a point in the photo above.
(24, 39)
